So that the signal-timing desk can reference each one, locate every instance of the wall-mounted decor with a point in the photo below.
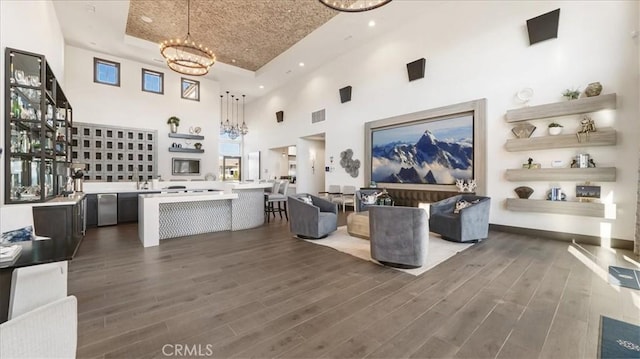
(348, 163)
(114, 153)
(190, 89)
(428, 150)
(280, 116)
(415, 69)
(587, 193)
(543, 27)
(345, 94)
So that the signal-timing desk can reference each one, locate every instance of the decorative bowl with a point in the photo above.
(523, 130)
(524, 192)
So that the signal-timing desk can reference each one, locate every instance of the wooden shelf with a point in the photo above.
(185, 150)
(603, 137)
(587, 209)
(600, 174)
(583, 105)
(186, 136)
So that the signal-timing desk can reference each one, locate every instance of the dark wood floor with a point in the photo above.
(261, 293)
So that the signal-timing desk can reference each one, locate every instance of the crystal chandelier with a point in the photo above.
(184, 56)
(231, 127)
(354, 5)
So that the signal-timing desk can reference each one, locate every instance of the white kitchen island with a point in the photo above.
(232, 206)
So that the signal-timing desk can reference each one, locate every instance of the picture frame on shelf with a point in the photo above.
(588, 193)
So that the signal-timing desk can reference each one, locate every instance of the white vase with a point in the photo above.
(174, 127)
(555, 131)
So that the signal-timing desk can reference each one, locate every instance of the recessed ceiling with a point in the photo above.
(247, 34)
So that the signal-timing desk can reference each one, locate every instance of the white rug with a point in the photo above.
(439, 249)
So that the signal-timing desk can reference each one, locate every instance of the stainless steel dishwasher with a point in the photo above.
(107, 209)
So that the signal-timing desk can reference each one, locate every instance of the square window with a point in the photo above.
(190, 89)
(140, 157)
(109, 167)
(120, 177)
(120, 134)
(149, 158)
(120, 156)
(130, 157)
(149, 137)
(130, 146)
(152, 81)
(109, 178)
(98, 167)
(106, 72)
(140, 136)
(120, 167)
(121, 145)
(109, 133)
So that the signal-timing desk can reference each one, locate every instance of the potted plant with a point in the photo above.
(555, 128)
(173, 122)
(571, 94)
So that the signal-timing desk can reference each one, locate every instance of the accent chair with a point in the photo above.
(313, 220)
(469, 224)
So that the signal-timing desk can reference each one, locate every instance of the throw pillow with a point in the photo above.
(370, 198)
(462, 204)
(307, 200)
(18, 235)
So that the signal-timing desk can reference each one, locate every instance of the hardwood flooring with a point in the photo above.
(262, 294)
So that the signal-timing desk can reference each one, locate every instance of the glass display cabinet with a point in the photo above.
(38, 130)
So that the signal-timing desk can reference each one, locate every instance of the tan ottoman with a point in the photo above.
(358, 224)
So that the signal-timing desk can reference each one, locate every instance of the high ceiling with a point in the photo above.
(267, 42)
(247, 34)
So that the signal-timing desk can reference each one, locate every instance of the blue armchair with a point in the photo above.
(470, 224)
(313, 220)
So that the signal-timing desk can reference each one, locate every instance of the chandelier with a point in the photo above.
(231, 127)
(184, 56)
(354, 5)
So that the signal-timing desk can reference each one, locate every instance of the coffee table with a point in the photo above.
(358, 224)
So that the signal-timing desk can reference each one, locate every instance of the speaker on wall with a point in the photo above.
(415, 69)
(345, 94)
(280, 116)
(543, 27)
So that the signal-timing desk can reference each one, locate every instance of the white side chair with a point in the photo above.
(35, 286)
(49, 331)
(348, 197)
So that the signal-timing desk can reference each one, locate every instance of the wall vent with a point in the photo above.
(318, 116)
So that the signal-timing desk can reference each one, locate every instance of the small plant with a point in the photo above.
(555, 124)
(173, 120)
(571, 94)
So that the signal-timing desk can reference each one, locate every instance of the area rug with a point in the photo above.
(439, 249)
(619, 339)
(624, 277)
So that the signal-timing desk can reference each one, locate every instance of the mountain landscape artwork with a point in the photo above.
(433, 152)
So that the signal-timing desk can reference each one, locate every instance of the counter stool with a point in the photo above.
(278, 195)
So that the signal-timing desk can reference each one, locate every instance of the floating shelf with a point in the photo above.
(572, 107)
(186, 136)
(187, 150)
(603, 137)
(600, 174)
(587, 209)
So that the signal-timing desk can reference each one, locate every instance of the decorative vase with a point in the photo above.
(553, 131)
(173, 127)
(593, 89)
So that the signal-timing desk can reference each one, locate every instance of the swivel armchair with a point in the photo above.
(469, 224)
(313, 220)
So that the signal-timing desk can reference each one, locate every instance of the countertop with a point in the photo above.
(130, 187)
(60, 201)
(186, 197)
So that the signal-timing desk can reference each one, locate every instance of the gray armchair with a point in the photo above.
(312, 221)
(360, 205)
(399, 235)
(470, 224)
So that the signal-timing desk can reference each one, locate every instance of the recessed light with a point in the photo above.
(261, 86)
(146, 19)
(348, 37)
(233, 60)
(301, 64)
(288, 72)
(92, 43)
(372, 23)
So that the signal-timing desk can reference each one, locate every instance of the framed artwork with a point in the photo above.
(190, 89)
(428, 150)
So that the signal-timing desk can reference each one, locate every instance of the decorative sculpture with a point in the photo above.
(586, 126)
(466, 186)
(348, 163)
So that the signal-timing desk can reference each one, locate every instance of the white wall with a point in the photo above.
(31, 26)
(129, 106)
(478, 50)
(310, 175)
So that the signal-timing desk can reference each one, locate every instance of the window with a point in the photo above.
(106, 72)
(190, 89)
(152, 81)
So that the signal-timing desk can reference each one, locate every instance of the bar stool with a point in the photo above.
(278, 195)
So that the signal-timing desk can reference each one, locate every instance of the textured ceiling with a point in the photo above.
(243, 33)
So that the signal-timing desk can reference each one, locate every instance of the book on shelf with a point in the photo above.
(9, 253)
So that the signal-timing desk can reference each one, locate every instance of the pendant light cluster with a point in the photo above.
(231, 126)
